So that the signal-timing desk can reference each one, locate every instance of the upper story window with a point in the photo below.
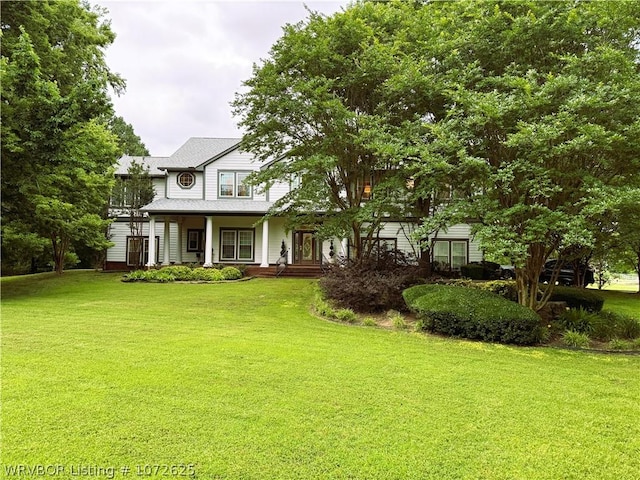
(233, 185)
(186, 179)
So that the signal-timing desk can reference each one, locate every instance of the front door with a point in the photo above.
(306, 249)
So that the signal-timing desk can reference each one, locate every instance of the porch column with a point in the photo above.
(166, 260)
(208, 243)
(179, 242)
(265, 244)
(152, 242)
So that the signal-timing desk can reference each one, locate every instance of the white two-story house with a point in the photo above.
(204, 213)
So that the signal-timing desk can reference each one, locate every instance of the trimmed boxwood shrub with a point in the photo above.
(578, 298)
(183, 273)
(480, 271)
(231, 273)
(472, 271)
(474, 314)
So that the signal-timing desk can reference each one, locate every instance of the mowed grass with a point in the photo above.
(244, 382)
(626, 303)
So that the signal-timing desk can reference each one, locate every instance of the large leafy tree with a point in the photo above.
(128, 142)
(334, 101)
(541, 111)
(57, 154)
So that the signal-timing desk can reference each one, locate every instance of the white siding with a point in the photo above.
(233, 161)
(462, 232)
(176, 191)
(278, 190)
(159, 187)
(119, 232)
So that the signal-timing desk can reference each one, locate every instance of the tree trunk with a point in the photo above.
(59, 251)
(357, 240)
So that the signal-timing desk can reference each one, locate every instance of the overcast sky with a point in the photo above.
(183, 61)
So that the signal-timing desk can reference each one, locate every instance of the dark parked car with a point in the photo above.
(567, 275)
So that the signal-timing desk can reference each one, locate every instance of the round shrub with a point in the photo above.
(206, 274)
(179, 272)
(231, 273)
(474, 314)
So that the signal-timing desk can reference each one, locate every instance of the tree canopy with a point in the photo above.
(541, 98)
(525, 109)
(327, 103)
(57, 151)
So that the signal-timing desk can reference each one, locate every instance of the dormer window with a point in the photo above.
(186, 179)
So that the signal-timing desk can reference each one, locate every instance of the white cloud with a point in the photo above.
(184, 61)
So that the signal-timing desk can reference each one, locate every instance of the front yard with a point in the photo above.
(241, 380)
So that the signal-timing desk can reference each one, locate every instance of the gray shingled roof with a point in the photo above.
(152, 162)
(197, 151)
(186, 206)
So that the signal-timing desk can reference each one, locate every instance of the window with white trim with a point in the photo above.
(450, 254)
(195, 240)
(237, 244)
(234, 185)
(139, 246)
(378, 245)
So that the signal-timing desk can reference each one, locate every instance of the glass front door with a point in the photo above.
(306, 249)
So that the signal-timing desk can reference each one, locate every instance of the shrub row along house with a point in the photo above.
(205, 213)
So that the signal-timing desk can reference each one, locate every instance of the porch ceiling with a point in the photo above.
(191, 206)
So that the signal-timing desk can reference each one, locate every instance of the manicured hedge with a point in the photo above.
(474, 314)
(480, 271)
(574, 296)
(578, 298)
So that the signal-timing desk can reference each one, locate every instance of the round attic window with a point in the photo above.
(186, 179)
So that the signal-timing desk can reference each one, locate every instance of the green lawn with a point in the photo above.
(627, 303)
(243, 382)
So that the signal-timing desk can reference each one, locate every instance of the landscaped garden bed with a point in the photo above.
(184, 273)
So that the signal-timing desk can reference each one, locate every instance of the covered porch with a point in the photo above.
(230, 232)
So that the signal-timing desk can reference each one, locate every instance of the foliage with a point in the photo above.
(128, 142)
(505, 288)
(327, 103)
(231, 273)
(397, 320)
(619, 243)
(575, 339)
(578, 298)
(539, 115)
(474, 314)
(627, 327)
(578, 320)
(374, 284)
(603, 326)
(56, 153)
(345, 315)
(183, 273)
(369, 322)
(480, 271)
